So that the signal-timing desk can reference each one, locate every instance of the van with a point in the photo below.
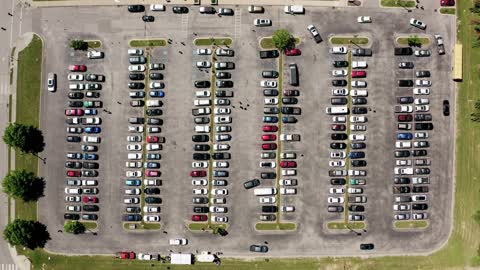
(154, 103)
(337, 110)
(293, 74)
(135, 52)
(202, 128)
(264, 191)
(202, 102)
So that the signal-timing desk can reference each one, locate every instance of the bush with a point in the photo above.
(74, 227)
(24, 185)
(78, 44)
(414, 41)
(282, 39)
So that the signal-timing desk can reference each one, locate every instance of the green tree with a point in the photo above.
(414, 41)
(74, 227)
(25, 138)
(475, 116)
(78, 44)
(24, 185)
(27, 233)
(476, 217)
(282, 39)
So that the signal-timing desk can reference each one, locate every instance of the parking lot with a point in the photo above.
(247, 107)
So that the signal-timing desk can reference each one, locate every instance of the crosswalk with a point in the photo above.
(4, 266)
(238, 23)
(185, 25)
(4, 84)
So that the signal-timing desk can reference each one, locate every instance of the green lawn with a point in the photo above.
(27, 112)
(412, 224)
(89, 225)
(212, 41)
(267, 43)
(275, 226)
(148, 42)
(94, 44)
(398, 3)
(349, 40)
(404, 40)
(343, 225)
(450, 11)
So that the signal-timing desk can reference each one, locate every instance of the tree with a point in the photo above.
(282, 39)
(24, 185)
(476, 7)
(476, 217)
(27, 233)
(74, 227)
(414, 41)
(475, 116)
(25, 138)
(78, 44)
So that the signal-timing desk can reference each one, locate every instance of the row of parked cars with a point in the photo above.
(212, 99)
(83, 129)
(353, 180)
(412, 163)
(143, 172)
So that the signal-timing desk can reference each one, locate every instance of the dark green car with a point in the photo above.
(251, 183)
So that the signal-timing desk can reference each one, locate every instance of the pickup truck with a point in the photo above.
(269, 54)
(403, 171)
(290, 137)
(201, 111)
(403, 109)
(92, 104)
(362, 52)
(296, 9)
(440, 45)
(357, 199)
(95, 55)
(403, 51)
(359, 64)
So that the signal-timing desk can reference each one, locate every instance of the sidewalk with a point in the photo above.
(317, 3)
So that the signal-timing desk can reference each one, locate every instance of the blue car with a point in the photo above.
(270, 119)
(404, 136)
(91, 112)
(92, 130)
(133, 182)
(354, 155)
(88, 156)
(156, 94)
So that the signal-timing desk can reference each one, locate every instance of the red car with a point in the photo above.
(338, 127)
(74, 173)
(199, 218)
(198, 173)
(152, 139)
(359, 74)
(292, 52)
(78, 68)
(405, 118)
(152, 173)
(74, 112)
(126, 255)
(269, 146)
(89, 199)
(447, 3)
(269, 128)
(269, 137)
(288, 164)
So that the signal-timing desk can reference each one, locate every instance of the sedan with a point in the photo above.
(262, 22)
(417, 23)
(258, 248)
(268, 84)
(406, 65)
(364, 19)
(293, 52)
(203, 64)
(422, 53)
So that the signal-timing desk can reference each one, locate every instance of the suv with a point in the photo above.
(269, 54)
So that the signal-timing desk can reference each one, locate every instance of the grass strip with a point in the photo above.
(398, 3)
(94, 44)
(449, 11)
(263, 226)
(212, 41)
(279, 149)
(267, 42)
(411, 224)
(349, 40)
(148, 42)
(345, 226)
(404, 40)
(89, 225)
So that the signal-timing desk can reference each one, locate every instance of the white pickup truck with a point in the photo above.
(296, 9)
(359, 64)
(95, 55)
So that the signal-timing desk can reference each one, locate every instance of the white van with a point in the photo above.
(135, 52)
(337, 110)
(154, 103)
(202, 102)
(202, 128)
(264, 191)
(134, 156)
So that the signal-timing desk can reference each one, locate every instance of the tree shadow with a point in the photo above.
(36, 190)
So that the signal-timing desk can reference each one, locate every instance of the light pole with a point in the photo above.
(351, 41)
(353, 231)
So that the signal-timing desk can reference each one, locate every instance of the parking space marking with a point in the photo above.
(5, 266)
(185, 25)
(238, 23)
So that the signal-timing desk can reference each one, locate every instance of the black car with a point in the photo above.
(356, 208)
(420, 189)
(151, 191)
(403, 51)
(291, 110)
(154, 112)
(75, 104)
(200, 138)
(154, 121)
(406, 65)
(358, 163)
(269, 74)
(136, 8)
(90, 173)
(136, 85)
(339, 82)
(132, 217)
(179, 9)
(269, 54)
(136, 76)
(359, 145)
(257, 248)
(405, 100)
(335, 209)
(201, 147)
(338, 101)
(90, 165)
(419, 153)
(201, 156)
(221, 156)
(289, 100)
(422, 73)
(155, 200)
(401, 189)
(268, 175)
(73, 139)
(156, 76)
(202, 84)
(367, 246)
(423, 117)
(423, 126)
(268, 217)
(338, 145)
(446, 108)
(402, 153)
(251, 183)
(269, 209)
(133, 209)
(405, 83)
(359, 110)
(224, 84)
(419, 206)
(289, 120)
(271, 110)
(338, 181)
(89, 216)
(199, 200)
(71, 216)
(90, 208)
(339, 64)
(200, 209)
(401, 180)
(359, 101)
(73, 165)
(339, 136)
(147, 18)
(75, 95)
(422, 171)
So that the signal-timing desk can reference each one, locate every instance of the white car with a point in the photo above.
(289, 172)
(73, 208)
(75, 77)
(139, 68)
(420, 216)
(422, 108)
(153, 147)
(220, 164)
(267, 164)
(222, 119)
(423, 83)
(337, 191)
(133, 173)
(360, 84)
(357, 137)
(355, 190)
(134, 138)
(419, 198)
(157, 7)
(421, 135)
(133, 200)
(288, 208)
(221, 147)
(421, 101)
(288, 191)
(402, 216)
(418, 23)
(178, 242)
(219, 219)
(73, 191)
(147, 257)
(358, 93)
(358, 127)
(341, 154)
(151, 209)
(137, 129)
(199, 164)
(218, 209)
(205, 51)
(219, 191)
(358, 119)
(339, 119)
(267, 200)
(403, 162)
(271, 101)
(202, 94)
(73, 198)
(339, 72)
(364, 19)
(156, 85)
(403, 144)
(222, 111)
(339, 50)
(151, 218)
(421, 91)
(340, 92)
(200, 191)
(401, 207)
(134, 147)
(357, 173)
(422, 53)
(336, 163)
(132, 164)
(262, 22)
(288, 182)
(199, 182)
(132, 191)
(268, 84)
(218, 200)
(204, 64)
(336, 199)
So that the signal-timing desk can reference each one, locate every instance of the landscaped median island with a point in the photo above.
(206, 227)
(94, 44)
(212, 41)
(267, 43)
(413, 40)
(158, 42)
(346, 226)
(347, 40)
(398, 3)
(264, 226)
(411, 224)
